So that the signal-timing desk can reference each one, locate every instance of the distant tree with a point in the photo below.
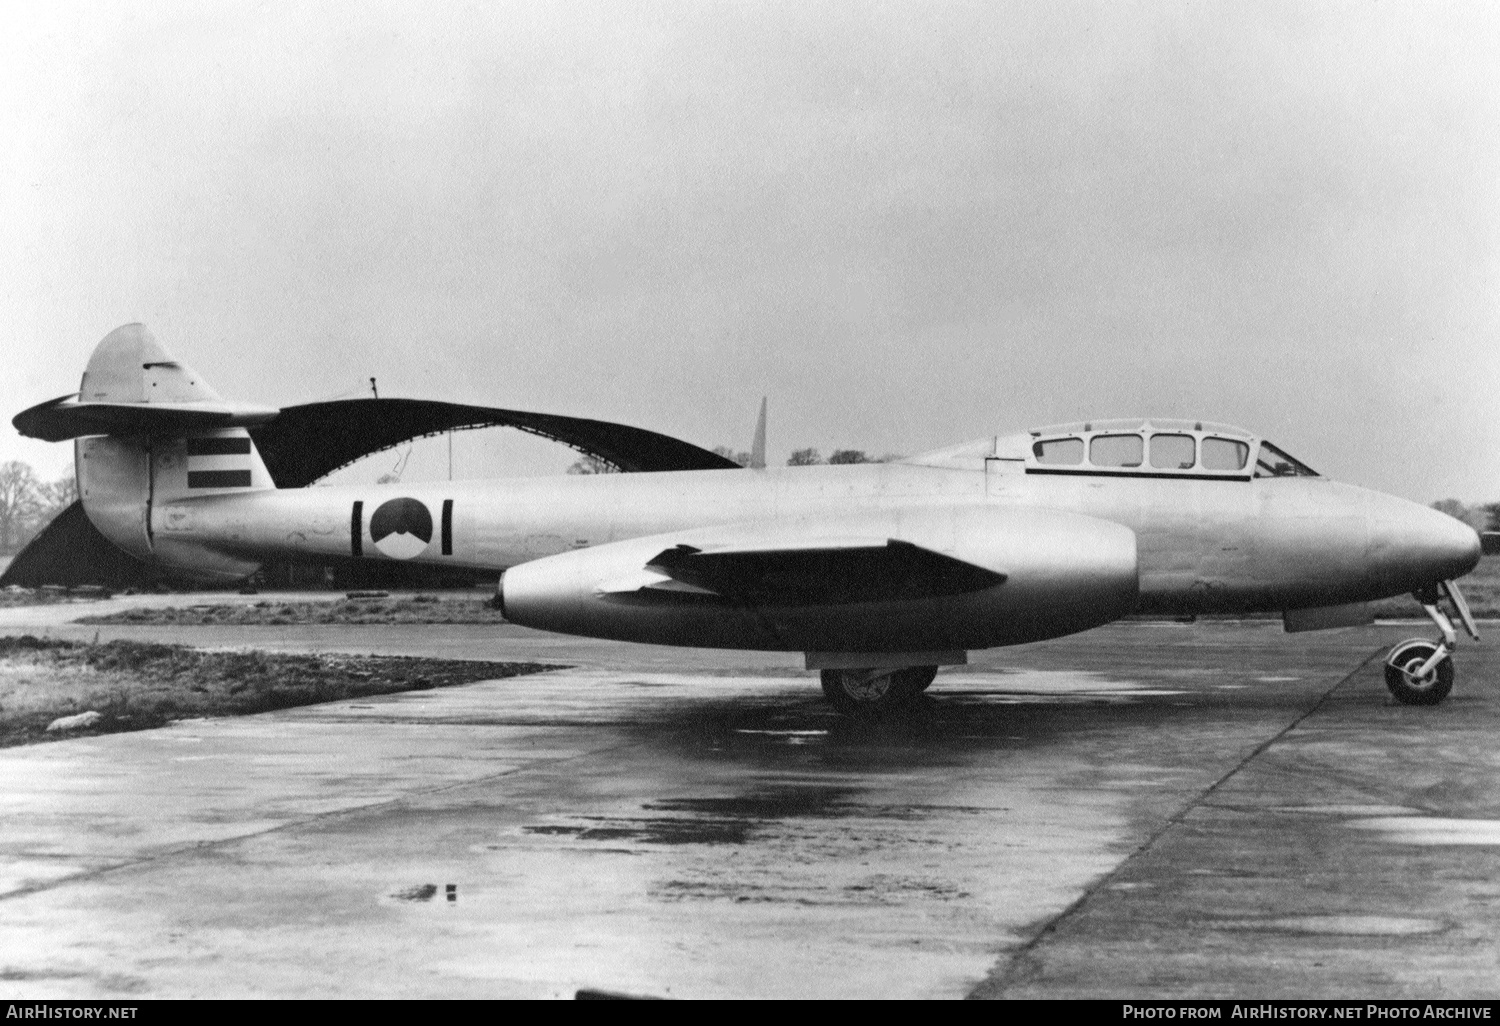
(804, 458)
(58, 495)
(1491, 511)
(52, 497)
(1474, 516)
(388, 479)
(1452, 507)
(19, 502)
(39, 503)
(850, 456)
(591, 464)
(742, 458)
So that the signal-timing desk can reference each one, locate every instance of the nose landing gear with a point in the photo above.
(1418, 671)
(1407, 679)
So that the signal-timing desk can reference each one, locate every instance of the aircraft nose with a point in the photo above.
(1414, 546)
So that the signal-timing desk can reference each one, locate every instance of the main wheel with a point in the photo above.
(1401, 674)
(875, 692)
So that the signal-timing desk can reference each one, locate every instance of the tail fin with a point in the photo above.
(150, 433)
(130, 366)
(758, 446)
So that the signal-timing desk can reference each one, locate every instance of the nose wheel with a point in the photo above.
(1409, 678)
(1418, 671)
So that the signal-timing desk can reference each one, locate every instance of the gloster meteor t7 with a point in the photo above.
(879, 573)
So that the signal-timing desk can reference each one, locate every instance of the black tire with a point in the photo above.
(1409, 689)
(873, 693)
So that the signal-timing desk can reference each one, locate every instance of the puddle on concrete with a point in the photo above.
(662, 830)
(10, 974)
(422, 892)
(1433, 830)
(1075, 698)
(1276, 680)
(717, 820)
(1342, 925)
(1349, 810)
(791, 737)
(877, 889)
(1042, 682)
(1045, 687)
(821, 802)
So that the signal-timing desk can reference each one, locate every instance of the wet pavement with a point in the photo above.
(1144, 810)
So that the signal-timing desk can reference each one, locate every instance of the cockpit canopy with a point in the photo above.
(1156, 448)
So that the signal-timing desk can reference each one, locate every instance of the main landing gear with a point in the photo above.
(875, 693)
(1418, 671)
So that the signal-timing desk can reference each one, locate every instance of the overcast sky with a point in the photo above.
(908, 224)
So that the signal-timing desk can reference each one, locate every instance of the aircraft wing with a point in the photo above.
(819, 572)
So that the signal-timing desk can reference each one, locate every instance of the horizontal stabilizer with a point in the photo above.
(819, 573)
(132, 386)
(65, 418)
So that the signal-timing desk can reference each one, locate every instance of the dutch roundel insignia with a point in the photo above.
(401, 528)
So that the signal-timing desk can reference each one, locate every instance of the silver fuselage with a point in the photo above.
(1202, 545)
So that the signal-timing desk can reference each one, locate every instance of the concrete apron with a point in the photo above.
(695, 834)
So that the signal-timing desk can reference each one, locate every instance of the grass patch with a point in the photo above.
(12, 597)
(391, 609)
(137, 685)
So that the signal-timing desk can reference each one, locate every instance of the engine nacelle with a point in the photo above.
(1062, 573)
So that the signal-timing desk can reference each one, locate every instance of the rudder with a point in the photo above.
(168, 437)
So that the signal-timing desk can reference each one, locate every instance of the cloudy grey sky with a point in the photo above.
(907, 223)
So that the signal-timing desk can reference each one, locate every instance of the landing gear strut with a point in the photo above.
(877, 692)
(1418, 671)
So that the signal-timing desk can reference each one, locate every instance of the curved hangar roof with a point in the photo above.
(305, 443)
(351, 429)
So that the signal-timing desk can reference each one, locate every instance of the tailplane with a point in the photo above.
(150, 436)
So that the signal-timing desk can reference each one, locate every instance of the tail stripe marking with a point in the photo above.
(357, 530)
(447, 527)
(218, 479)
(218, 446)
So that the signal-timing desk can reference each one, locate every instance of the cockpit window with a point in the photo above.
(1172, 452)
(1272, 462)
(1116, 450)
(1224, 454)
(1059, 451)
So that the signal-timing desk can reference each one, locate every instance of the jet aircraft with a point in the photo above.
(879, 573)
